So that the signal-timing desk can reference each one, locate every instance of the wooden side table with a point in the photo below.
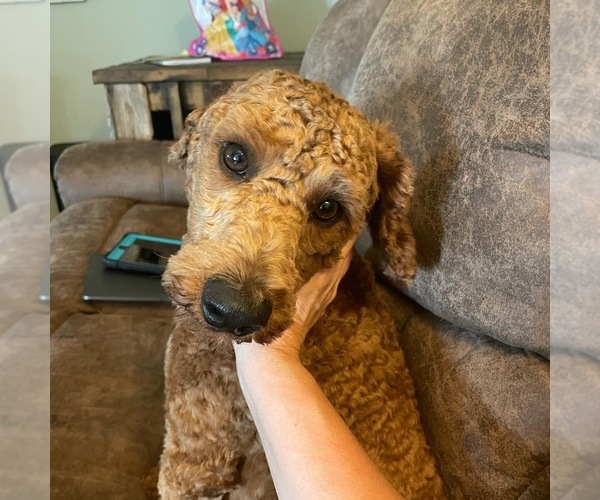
(147, 101)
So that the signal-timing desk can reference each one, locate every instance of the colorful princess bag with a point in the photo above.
(233, 30)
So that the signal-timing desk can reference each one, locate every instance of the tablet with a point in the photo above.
(142, 252)
(105, 284)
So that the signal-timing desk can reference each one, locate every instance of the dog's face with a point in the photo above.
(281, 173)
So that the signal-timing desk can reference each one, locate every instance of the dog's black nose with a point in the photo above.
(225, 308)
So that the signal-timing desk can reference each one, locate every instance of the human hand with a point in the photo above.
(311, 301)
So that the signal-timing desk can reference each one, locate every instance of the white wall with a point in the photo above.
(99, 33)
(24, 75)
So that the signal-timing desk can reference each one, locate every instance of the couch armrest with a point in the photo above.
(25, 171)
(137, 170)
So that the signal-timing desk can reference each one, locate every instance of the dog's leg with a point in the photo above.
(208, 430)
(256, 479)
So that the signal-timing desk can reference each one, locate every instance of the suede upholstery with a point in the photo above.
(471, 111)
(107, 426)
(120, 165)
(575, 260)
(472, 114)
(107, 376)
(478, 136)
(96, 225)
(24, 342)
(26, 174)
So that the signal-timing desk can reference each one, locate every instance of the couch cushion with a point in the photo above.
(575, 440)
(23, 258)
(95, 226)
(575, 75)
(146, 218)
(483, 248)
(24, 408)
(75, 234)
(466, 89)
(484, 405)
(575, 257)
(107, 404)
(333, 55)
(24, 325)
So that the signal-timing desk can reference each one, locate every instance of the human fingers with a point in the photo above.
(314, 297)
(311, 301)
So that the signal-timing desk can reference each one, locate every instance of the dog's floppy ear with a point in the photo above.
(389, 225)
(178, 153)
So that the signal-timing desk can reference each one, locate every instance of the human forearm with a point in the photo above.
(311, 452)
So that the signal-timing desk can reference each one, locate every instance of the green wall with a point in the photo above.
(99, 33)
(24, 80)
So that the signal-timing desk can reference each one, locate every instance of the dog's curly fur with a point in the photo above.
(256, 231)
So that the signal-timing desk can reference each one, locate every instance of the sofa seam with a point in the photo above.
(542, 470)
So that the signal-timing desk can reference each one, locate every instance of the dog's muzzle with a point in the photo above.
(228, 310)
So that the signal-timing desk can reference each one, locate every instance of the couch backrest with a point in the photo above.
(575, 264)
(130, 169)
(466, 88)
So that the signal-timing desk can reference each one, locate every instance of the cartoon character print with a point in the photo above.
(233, 29)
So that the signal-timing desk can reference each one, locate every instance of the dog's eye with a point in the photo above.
(235, 157)
(327, 211)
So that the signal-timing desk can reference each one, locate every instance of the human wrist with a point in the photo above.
(269, 356)
(266, 366)
(283, 349)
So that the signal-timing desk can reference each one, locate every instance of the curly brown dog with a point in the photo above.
(281, 173)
